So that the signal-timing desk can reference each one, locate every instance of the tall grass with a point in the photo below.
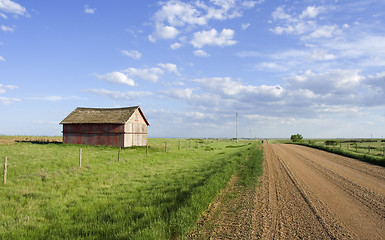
(159, 196)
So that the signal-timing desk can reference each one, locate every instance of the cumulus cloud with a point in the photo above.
(89, 10)
(170, 67)
(201, 53)
(177, 16)
(311, 12)
(149, 74)
(2, 58)
(175, 46)
(225, 86)
(333, 82)
(3, 16)
(165, 32)
(304, 24)
(9, 6)
(214, 38)
(116, 78)
(309, 95)
(133, 54)
(324, 32)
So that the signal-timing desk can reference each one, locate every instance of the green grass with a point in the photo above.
(159, 196)
(371, 151)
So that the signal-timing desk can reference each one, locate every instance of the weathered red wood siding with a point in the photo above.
(94, 134)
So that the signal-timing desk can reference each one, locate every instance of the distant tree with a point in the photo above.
(331, 142)
(296, 138)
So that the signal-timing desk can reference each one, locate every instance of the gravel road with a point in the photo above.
(311, 194)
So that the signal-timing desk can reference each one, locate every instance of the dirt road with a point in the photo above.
(311, 194)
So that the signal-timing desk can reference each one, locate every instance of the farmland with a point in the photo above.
(367, 150)
(156, 196)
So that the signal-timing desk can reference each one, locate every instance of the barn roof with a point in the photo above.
(101, 115)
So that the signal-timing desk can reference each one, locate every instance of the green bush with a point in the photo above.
(296, 138)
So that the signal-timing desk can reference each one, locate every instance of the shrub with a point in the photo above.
(296, 138)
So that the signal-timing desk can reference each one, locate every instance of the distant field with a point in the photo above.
(155, 196)
(367, 150)
(374, 147)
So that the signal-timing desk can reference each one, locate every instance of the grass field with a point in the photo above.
(159, 196)
(367, 150)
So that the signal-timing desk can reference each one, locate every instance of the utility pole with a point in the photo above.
(236, 126)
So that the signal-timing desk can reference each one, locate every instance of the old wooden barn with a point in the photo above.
(121, 127)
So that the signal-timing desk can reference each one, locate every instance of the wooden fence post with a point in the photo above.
(147, 149)
(80, 158)
(165, 146)
(119, 154)
(179, 146)
(5, 171)
(189, 143)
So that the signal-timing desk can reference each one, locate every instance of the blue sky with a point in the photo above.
(286, 67)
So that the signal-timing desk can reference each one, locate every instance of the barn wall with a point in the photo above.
(135, 131)
(94, 134)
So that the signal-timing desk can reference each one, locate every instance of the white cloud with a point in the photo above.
(10, 87)
(179, 93)
(133, 54)
(7, 100)
(117, 95)
(177, 13)
(212, 37)
(304, 24)
(4, 88)
(227, 87)
(116, 78)
(7, 29)
(2, 58)
(201, 53)
(336, 81)
(177, 16)
(149, 74)
(270, 66)
(311, 94)
(251, 4)
(89, 10)
(3, 15)
(175, 46)
(169, 67)
(245, 26)
(167, 32)
(279, 13)
(311, 12)
(9, 6)
(324, 32)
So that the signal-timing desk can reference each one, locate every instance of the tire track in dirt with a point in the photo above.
(307, 194)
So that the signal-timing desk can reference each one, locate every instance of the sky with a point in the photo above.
(284, 67)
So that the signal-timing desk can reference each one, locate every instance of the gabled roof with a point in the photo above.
(101, 115)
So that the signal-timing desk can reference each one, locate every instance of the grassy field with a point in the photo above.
(367, 150)
(159, 196)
